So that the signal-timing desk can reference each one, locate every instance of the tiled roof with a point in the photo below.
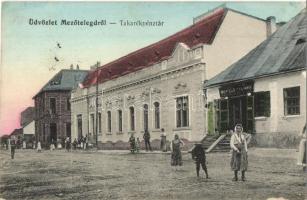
(202, 32)
(66, 79)
(282, 52)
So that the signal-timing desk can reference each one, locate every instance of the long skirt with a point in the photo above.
(163, 144)
(302, 152)
(239, 161)
(176, 158)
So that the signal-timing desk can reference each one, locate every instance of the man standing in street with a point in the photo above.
(147, 140)
(13, 146)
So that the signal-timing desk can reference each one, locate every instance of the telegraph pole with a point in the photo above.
(97, 65)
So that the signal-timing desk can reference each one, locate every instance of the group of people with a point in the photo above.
(135, 143)
(238, 161)
(80, 143)
(238, 143)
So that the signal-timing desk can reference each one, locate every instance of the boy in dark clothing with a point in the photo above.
(199, 156)
(146, 137)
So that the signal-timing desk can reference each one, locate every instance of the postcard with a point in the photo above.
(153, 100)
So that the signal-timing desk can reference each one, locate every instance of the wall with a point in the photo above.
(29, 129)
(237, 35)
(285, 130)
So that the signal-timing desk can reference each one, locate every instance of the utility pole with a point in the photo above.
(97, 65)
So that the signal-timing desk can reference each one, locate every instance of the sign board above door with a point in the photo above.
(237, 89)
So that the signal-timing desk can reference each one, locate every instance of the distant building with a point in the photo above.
(27, 123)
(161, 85)
(265, 90)
(27, 116)
(52, 106)
(17, 133)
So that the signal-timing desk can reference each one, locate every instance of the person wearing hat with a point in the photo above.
(239, 160)
(199, 156)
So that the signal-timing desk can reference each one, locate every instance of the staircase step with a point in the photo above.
(222, 146)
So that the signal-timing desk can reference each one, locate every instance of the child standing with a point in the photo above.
(132, 143)
(199, 156)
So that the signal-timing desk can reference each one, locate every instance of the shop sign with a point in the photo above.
(237, 89)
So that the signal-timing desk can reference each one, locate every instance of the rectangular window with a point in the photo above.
(262, 104)
(52, 105)
(292, 101)
(182, 111)
(92, 130)
(120, 121)
(79, 126)
(43, 105)
(109, 121)
(68, 104)
(99, 122)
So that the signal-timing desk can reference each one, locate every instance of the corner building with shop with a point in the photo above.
(265, 90)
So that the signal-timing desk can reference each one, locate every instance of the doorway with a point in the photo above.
(53, 132)
(232, 111)
(237, 111)
(68, 130)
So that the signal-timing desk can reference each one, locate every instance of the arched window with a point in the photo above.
(145, 116)
(132, 118)
(157, 115)
(120, 121)
(109, 122)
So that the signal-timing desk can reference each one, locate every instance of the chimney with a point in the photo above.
(71, 66)
(93, 67)
(270, 25)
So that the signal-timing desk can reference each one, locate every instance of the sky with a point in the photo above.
(28, 51)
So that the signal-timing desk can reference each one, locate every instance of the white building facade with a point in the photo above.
(167, 93)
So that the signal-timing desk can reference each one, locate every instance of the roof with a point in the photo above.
(64, 80)
(202, 32)
(284, 51)
(17, 132)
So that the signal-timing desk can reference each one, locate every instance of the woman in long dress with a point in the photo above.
(302, 149)
(39, 147)
(239, 160)
(163, 141)
(176, 145)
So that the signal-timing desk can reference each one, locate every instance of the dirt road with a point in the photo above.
(96, 175)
